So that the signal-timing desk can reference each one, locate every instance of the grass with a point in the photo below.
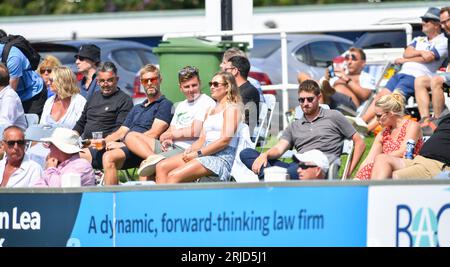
(368, 140)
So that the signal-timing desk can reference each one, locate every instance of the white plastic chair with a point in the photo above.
(346, 149)
(381, 72)
(239, 171)
(265, 119)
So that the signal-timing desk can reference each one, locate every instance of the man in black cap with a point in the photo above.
(87, 61)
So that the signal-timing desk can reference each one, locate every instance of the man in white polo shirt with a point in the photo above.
(16, 169)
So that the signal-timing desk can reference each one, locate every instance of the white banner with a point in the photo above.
(409, 216)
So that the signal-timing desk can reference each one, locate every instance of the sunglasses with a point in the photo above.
(216, 84)
(310, 99)
(352, 56)
(305, 166)
(48, 70)
(11, 143)
(80, 58)
(188, 71)
(153, 80)
(379, 115)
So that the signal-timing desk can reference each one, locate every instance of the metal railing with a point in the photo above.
(285, 86)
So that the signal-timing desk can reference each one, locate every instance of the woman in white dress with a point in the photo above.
(213, 153)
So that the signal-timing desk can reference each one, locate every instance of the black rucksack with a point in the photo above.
(23, 45)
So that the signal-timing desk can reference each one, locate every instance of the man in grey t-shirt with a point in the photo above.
(320, 129)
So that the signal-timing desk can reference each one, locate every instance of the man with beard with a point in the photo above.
(184, 129)
(319, 128)
(152, 116)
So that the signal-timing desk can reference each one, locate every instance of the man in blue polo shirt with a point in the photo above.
(25, 81)
(152, 116)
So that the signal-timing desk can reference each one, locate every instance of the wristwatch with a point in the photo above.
(199, 153)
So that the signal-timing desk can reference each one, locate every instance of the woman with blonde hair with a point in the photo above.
(46, 67)
(389, 111)
(65, 107)
(214, 151)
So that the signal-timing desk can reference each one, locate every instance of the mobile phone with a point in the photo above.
(331, 71)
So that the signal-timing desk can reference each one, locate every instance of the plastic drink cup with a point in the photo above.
(98, 140)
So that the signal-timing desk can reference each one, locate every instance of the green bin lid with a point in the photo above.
(188, 44)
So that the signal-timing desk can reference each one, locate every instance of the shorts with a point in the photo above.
(403, 82)
(420, 168)
(446, 76)
(131, 159)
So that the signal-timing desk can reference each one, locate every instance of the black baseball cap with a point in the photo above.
(90, 51)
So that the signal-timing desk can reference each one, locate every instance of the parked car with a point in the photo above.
(128, 56)
(308, 53)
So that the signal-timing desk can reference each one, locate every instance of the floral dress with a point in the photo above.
(389, 145)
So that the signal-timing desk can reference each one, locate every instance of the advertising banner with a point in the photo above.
(37, 219)
(265, 216)
(409, 216)
(212, 217)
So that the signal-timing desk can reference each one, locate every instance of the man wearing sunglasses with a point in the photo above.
(185, 126)
(312, 165)
(348, 87)
(435, 84)
(422, 57)
(240, 66)
(351, 82)
(319, 128)
(16, 169)
(234, 51)
(151, 117)
(87, 60)
(11, 110)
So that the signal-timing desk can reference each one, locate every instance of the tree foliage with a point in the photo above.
(49, 7)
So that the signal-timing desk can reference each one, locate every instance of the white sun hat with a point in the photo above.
(65, 140)
(315, 156)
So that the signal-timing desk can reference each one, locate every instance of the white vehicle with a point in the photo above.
(382, 46)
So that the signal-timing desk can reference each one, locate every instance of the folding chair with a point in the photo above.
(239, 172)
(381, 73)
(265, 119)
(333, 171)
